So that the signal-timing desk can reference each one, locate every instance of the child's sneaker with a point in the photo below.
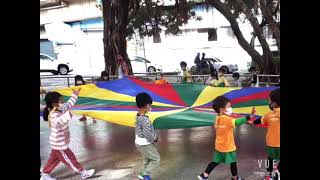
(276, 175)
(267, 177)
(85, 174)
(202, 178)
(146, 177)
(45, 176)
(140, 176)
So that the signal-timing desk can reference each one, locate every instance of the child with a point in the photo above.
(122, 67)
(104, 76)
(161, 80)
(272, 120)
(254, 78)
(225, 148)
(58, 114)
(42, 90)
(78, 81)
(146, 137)
(237, 81)
(222, 81)
(186, 76)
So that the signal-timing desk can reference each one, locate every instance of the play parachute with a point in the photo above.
(174, 105)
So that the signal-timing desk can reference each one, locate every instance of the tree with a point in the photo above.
(231, 9)
(123, 17)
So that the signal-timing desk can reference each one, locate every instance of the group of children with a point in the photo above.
(58, 114)
(220, 80)
(225, 148)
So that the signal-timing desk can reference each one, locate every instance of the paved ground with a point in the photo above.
(110, 150)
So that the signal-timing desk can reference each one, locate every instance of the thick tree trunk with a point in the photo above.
(115, 15)
(226, 12)
(267, 55)
(156, 37)
(272, 23)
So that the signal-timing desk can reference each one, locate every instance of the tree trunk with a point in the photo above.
(115, 16)
(156, 37)
(226, 12)
(272, 23)
(267, 55)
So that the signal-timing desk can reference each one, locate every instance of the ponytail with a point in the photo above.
(45, 113)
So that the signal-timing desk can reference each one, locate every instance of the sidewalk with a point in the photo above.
(110, 149)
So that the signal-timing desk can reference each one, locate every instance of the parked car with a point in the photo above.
(54, 66)
(229, 68)
(211, 65)
(142, 65)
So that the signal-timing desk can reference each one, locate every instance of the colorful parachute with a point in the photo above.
(174, 105)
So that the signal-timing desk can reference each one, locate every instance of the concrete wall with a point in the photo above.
(75, 11)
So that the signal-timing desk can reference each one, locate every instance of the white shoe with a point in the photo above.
(85, 174)
(45, 176)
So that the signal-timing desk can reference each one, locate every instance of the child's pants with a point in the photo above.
(151, 158)
(65, 156)
(270, 167)
(212, 165)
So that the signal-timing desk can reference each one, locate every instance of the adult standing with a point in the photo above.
(122, 67)
(197, 61)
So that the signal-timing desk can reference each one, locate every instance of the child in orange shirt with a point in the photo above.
(225, 148)
(161, 80)
(272, 120)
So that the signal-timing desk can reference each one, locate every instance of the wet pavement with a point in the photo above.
(110, 150)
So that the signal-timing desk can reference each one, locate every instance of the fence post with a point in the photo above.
(257, 80)
(68, 81)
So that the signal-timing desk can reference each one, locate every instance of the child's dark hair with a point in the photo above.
(236, 75)
(142, 99)
(78, 78)
(182, 63)
(275, 96)
(50, 98)
(104, 73)
(222, 70)
(219, 102)
(252, 69)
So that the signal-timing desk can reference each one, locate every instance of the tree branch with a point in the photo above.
(223, 9)
(273, 25)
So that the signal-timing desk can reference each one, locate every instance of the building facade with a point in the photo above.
(84, 42)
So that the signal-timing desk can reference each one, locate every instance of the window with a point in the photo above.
(45, 58)
(230, 33)
(212, 34)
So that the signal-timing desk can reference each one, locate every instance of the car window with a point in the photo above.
(42, 57)
(138, 60)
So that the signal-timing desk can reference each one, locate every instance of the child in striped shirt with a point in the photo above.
(58, 114)
(146, 137)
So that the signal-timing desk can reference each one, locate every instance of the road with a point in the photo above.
(110, 149)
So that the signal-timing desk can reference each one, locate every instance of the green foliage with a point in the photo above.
(152, 16)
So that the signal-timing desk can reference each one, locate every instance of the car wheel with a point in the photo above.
(226, 69)
(63, 69)
(151, 69)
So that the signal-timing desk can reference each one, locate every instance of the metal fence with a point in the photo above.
(55, 82)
